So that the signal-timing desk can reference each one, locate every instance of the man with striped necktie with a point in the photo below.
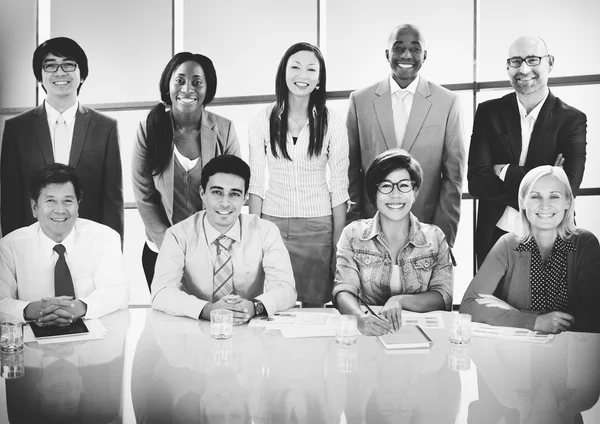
(222, 259)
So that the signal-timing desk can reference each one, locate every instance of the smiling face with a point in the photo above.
(56, 209)
(546, 204)
(396, 205)
(223, 199)
(406, 55)
(187, 87)
(526, 79)
(60, 85)
(302, 73)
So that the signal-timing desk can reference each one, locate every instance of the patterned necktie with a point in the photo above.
(62, 144)
(223, 275)
(400, 116)
(63, 283)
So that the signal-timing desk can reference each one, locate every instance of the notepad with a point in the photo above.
(408, 337)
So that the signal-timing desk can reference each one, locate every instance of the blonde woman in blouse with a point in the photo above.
(299, 162)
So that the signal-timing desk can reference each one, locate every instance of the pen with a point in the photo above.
(368, 308)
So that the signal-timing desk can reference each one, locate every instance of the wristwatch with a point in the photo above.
(259, 308)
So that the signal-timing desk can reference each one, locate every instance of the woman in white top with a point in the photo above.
(299, 163)
(172, 145)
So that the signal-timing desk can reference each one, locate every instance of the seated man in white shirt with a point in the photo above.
(220, 259)
(60, 268)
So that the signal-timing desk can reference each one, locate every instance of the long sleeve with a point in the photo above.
(587, 287)
(355, 172)
(257, 138)
(112, 185)
(12, 185)
(147, 197)
(232, 144)
(111, 287)
(347, 274)
(442, 274)
(483, 182)
(447, 213)
(9, 300)
(167, 288)
(495, 269)
(279, 287)
(338, 160)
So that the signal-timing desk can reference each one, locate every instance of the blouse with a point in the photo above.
(300, 188)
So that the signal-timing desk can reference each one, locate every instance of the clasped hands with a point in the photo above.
(60, 311)
(243, 309)
(560, 160)
(389, 319)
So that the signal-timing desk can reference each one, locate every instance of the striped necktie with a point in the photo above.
(223, 275)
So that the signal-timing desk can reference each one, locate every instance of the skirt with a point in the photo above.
(309, 242)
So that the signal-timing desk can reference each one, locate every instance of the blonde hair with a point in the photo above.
(567, 227)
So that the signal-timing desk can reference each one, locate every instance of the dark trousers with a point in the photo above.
(495, 236)
(148, 262)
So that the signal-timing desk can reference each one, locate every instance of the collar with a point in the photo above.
(416, 236)
(68, 114)
(48, 244)
(412, 87)
(560, 245)
(534, 112)
(212, 233)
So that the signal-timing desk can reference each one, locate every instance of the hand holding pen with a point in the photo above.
(373, 324)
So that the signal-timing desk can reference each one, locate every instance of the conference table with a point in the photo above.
(154, 368)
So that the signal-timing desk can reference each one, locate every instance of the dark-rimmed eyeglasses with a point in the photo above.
(517, 61)
(65, 66)
(386, 187)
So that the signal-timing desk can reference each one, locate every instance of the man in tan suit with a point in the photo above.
(405, 110)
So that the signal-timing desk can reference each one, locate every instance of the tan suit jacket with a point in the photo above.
(434, 136)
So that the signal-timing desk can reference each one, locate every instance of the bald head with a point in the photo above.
(528, 45)
(406, 28)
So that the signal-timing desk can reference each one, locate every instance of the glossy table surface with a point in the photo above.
(152, 367)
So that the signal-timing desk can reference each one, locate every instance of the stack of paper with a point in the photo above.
(96, 331)
(509, 333)
(299, 324)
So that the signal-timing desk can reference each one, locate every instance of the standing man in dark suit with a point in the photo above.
(516, 133)
(405, 110)
(62, 130)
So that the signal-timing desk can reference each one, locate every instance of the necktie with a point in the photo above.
(400, 116)
(223, 275)
(63, 283)
(62, 144)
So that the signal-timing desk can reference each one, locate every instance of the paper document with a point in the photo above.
(509, 333)
(95, 327)
(292, 318)
(428, 320)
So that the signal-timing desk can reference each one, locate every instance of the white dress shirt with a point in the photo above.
(183, 277)
(305, 187)
(509, 221)
(69, 116)
(93, 254)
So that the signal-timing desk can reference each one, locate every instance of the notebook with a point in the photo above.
(78, 326)
(408, 337)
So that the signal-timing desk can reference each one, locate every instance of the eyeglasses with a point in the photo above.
(65, 66)
(387, 187)
(516, 62)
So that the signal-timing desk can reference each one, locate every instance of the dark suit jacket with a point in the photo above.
(95, 154)
(496, 140)
(434, 136)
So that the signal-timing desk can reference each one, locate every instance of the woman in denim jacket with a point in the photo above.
(392, 259)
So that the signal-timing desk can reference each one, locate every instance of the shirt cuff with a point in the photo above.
(339, 197)
(503, 172)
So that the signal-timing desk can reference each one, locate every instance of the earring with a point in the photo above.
(317, 87)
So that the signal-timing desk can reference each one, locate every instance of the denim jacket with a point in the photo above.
(364, 264)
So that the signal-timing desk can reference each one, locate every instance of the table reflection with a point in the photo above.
(524, 383)
(77, 382)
